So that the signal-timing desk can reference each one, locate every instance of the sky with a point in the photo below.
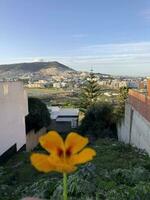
(110, 36)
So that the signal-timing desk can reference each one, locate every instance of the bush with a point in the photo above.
(38, 116)
(99, 121)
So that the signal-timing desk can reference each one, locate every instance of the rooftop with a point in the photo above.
(62, 112)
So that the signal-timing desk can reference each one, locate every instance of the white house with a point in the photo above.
(13, 109)
(64, 119)
(69, 115)
(57, 85)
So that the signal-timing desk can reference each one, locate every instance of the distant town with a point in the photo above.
(49, 75)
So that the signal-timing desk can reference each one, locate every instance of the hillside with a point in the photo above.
(118, 172)
(43, 68)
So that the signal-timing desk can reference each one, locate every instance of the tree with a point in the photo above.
(122, 97)
(99, 121)
(90, 92)
(38, 116)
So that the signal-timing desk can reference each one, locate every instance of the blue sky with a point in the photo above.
(111, 36)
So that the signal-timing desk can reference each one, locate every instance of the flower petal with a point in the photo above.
(84, 156)
(75, 143)
(41, 162)
(61, 165)
(52, 142)
(65, 168)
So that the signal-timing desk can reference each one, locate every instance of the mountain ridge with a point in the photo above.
(34, 66)
(42, 69)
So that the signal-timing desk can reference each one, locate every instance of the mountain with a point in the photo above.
(40, 68)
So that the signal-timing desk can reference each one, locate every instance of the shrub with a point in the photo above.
(38, 116)
(99, 121)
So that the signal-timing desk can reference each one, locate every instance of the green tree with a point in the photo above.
(38, 116)
(90, 92)
(99, 121)
(122, 97)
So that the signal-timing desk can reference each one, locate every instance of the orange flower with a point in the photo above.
(63, 155)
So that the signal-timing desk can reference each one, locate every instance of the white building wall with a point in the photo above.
(135, 130)
(124, 127)
(140, 134)
(13, 109)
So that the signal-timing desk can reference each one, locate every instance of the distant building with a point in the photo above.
(13, 109)
(63, 119)
(135, 128)
(115, 84)
(63, 84)
(123, 84)
(133, 84)
(57, 85)
(37, 84)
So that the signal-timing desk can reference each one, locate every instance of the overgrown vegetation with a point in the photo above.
(119, 172)
(122, 97)
(38, 116)
(99, 121)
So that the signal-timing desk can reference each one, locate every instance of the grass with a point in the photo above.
(116, 166)
(54, 96)
(37, 91)
(112, 154)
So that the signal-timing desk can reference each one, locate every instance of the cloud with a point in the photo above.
(117, 58)
(38, 60)
(119, 48)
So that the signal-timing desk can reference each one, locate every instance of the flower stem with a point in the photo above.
(65, 186)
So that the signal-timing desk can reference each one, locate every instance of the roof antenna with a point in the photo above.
(91, 71)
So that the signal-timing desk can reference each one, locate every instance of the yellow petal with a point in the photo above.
(52, 142)
(61, 164)
(75, 143)
(65, 168)
(41, 162)
(84, 156)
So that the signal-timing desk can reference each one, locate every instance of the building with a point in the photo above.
(133, 84)
(135, 128)
(63, 119)
(37, 84)
(13, 109)
(57, 85)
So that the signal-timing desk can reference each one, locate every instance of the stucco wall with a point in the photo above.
(135, 129)
(13, 109)
(33, 138)
(124, 127)
(140, 134)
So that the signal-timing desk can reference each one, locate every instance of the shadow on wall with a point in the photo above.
(32, 138)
